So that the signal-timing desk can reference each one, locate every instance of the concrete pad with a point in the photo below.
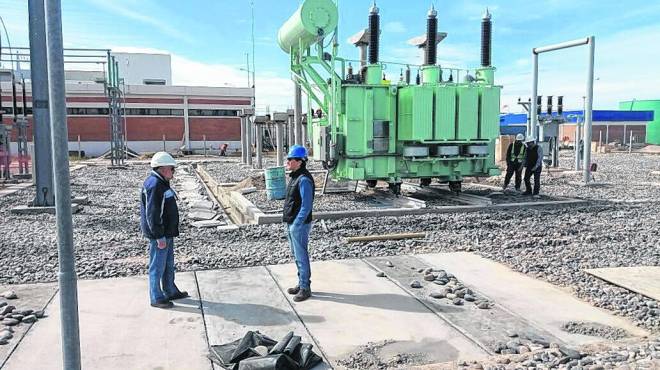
(207, 223)
(542, 304)
(202, 205)
(644, 280)
(351, 307)
(32, 210)
(239, 300)
(488, 327)
(119, 330)
(201, 215)
(30, 297)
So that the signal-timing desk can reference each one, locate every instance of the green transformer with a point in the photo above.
(367, 128)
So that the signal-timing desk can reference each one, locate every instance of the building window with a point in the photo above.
(19, 110)
(87, 111)
(212, 112)
(153, 112)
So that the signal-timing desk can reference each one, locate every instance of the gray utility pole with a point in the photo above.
(42, 163)
(70, 331)
(591, 42)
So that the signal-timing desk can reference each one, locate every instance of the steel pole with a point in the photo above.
(535, 91)
(42, 161)
(577, 144)
(589, 109)
(297, 115)
(70, 331)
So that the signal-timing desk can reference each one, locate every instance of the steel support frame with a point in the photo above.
(588, 112)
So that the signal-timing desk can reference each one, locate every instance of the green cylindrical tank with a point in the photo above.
(311, 18)
(653, 127)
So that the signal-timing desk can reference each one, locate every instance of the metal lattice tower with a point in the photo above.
(117, 147)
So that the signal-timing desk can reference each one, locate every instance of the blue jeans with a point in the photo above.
(298, 237)
(161, 270)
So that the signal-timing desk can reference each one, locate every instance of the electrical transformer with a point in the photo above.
(368, 128)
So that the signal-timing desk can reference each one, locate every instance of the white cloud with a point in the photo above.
(273, 92)
(623, 71)
(125, 11)
(394, 27)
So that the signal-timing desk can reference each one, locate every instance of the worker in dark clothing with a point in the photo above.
(159, 221)
(533, 167)
(297, 217)
(515, 158)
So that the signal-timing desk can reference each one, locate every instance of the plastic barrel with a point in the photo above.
(275, 182)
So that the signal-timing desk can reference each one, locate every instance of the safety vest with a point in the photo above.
(521, 156)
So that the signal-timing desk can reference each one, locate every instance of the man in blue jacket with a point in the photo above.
(297, 217)
(159, 220)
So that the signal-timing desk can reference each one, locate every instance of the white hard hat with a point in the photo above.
(520, 137)
(162, 159)
(530, 139)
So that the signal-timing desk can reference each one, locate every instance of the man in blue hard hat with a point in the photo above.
(297, 216)
(515, 156)
(159, 221)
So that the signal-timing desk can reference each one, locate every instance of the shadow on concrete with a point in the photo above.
(248, 314)
(392, 302)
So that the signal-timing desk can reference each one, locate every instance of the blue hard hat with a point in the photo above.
(297, 152)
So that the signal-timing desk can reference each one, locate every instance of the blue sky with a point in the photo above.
(208, 40)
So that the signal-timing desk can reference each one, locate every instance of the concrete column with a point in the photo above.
(243, 151)
(260, 145)
(42, 161)
(298, 139)
(248, 131)
(186, 123)
(290, 128)
(279, 137)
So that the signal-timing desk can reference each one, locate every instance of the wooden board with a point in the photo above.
(644, 280)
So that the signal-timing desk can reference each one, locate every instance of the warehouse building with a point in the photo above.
(157, 114)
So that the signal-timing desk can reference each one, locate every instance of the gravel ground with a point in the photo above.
(551, 244)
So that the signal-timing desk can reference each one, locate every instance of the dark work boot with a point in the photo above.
(179, 295)
(293, 290)
(302, 295)
(162, 304)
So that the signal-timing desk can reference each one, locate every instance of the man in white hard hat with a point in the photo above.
(515, 156)
(533, 167)
(159, 221)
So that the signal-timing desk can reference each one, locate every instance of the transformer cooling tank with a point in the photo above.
(313, 18)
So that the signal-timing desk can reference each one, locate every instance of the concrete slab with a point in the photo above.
(207, 223)
(544, 305)
(201, 215)
(238, 300)
(119, 330)
(488, 327)
(644, 280)
(351, 307)
(32, 210)
(202, 205)
(30, 297)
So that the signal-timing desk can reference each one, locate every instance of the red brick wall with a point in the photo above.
(153, 128)
(215, 128)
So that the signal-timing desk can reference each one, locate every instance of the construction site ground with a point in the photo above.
(527, 271)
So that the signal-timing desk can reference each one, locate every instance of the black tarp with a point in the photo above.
(287, 354)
